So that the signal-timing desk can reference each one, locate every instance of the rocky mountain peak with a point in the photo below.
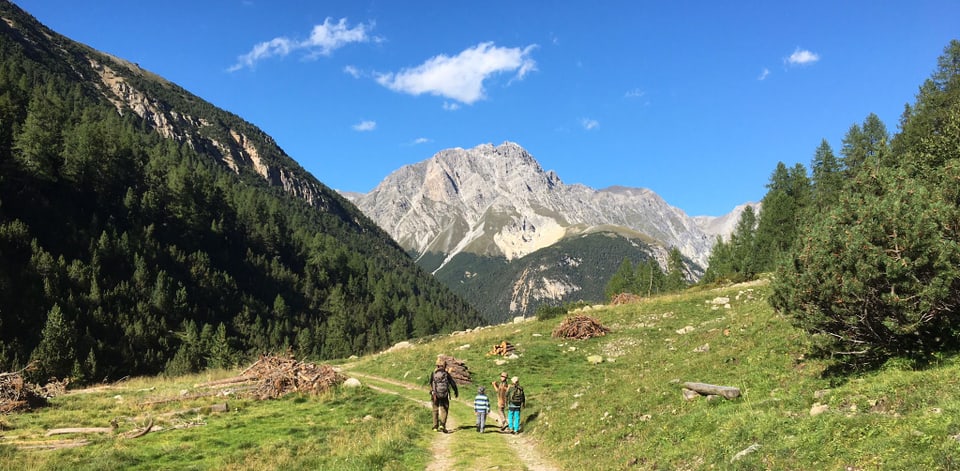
(498, 201)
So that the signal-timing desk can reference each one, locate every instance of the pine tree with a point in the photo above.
(55, 354)
(220, 353)
(39, 143)
(720, 263)
(878, 273)
(676, 278)
(827, 176)
(781, 211)
(865, 145)
(623, 281)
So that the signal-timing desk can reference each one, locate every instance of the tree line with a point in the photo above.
(645, 277)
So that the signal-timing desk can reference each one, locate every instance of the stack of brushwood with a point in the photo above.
(17, 394)
(503, 349)
(580, 327)
(625, 298)
(456, 368)
(280, 375)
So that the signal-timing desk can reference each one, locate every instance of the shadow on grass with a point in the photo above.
(531, 418)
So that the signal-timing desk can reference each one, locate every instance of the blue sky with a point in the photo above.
(697, 101)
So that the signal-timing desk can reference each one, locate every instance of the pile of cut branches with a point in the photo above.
(580, 327)
(277, 376)
(625, 298)
(456, 368)
(273, 376)
(503, 349)
(17, 394)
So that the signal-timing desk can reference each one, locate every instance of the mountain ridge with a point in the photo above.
(438, 205)
(496, 207)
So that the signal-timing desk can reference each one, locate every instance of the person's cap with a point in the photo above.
(503, 375)
(440, 362)
(515, 380)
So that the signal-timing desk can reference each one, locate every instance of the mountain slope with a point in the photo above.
(723, 225)
(577, 268)
(143, 229)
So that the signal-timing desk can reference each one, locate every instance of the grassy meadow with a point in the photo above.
(625, 412)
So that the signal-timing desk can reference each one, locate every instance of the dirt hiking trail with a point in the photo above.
(510, 452)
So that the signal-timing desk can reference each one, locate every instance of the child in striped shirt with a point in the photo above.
(481, 407)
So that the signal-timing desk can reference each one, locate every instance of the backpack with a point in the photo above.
(517, 397)
(440, 386)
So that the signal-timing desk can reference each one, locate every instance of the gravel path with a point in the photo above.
(525, 447)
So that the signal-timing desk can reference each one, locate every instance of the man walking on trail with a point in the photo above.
(440, 385)
(515, 401)
(501, 389)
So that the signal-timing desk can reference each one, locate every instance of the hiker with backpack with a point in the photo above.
(515, 402)
(440, 385)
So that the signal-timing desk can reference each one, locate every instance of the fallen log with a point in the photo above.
(225, 381)
(137, 433)
(50, 444)
(64, 431)
(704, 389)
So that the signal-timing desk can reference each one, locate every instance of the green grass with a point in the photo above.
(626, 412)
(344, 429)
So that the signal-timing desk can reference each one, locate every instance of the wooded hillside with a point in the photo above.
(126, 252)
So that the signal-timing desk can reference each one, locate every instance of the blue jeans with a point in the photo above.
(513, 419)
(481, 420)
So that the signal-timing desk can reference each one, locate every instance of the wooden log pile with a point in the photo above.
(503, 349)
(17, 394)
(457, 368)
(625, 298)
(277, 376)
(580, 327)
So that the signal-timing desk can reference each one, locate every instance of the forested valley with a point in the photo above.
(123, 251)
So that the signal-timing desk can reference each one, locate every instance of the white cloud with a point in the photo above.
(421, 140)
(589, 124)
(323, 40)
(451, 106)
(352, 71)
(635, 93)
(763, 74)
(802, 57)
(461, 77)
(365, 126)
